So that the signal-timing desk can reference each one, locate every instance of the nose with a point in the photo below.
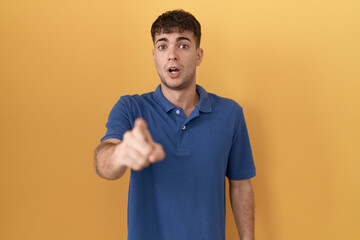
(173, 54)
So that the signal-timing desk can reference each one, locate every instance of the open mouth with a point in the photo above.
(173, 70)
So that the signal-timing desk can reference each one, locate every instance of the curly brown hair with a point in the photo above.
(176, 21)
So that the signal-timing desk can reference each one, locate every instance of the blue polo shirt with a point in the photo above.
(183, 196)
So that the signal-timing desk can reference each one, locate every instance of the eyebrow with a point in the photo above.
(177, 39)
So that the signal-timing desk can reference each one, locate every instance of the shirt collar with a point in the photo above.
(204, 104)
(164, 103)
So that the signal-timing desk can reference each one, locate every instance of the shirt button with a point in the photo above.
(177, 111)
(184, 127)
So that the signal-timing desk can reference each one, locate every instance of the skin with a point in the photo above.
(242, 203)
(138, 150)
(178, 50)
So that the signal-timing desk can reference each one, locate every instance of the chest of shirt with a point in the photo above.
(203, 145)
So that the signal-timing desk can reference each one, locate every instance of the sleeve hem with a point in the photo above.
(111, 136)
(246, 175)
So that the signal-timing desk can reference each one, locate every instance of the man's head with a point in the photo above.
(176, 21)
(176, 38)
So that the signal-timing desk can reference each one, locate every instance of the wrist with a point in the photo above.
(117, 156)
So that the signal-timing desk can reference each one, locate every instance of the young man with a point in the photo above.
(179, 142)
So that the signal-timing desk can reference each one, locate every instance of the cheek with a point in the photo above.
(157, 64)
(192, 62)
(159, 61)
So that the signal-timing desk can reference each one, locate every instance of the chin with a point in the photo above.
(176, 85)
(179, 86)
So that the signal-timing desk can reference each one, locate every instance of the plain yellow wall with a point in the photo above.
(292, 65)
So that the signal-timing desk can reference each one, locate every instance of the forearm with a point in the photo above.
(105, 163)
(242, 202)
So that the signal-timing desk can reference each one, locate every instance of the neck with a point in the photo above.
(187, 99)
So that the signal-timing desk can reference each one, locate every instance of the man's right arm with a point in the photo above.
(106, 164)
(137, 151)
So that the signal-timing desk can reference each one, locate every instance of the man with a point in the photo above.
(179, 142)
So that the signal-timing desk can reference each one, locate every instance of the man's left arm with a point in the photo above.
(242, 203)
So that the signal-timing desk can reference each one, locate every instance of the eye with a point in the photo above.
(162, 47)
(184, 46)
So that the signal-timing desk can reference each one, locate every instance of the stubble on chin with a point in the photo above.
(185, 84)
(178, 87)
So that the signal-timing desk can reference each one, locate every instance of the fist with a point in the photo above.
(138, 150)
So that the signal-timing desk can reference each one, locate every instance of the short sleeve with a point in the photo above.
(240, 163)
(118, 121)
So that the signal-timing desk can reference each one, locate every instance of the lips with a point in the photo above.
(173, 71)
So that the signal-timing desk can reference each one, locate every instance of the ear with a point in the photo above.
(153, 53)
(199, 56)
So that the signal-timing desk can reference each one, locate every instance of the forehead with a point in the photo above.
(175, 34)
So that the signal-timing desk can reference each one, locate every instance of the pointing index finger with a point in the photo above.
(141, 130)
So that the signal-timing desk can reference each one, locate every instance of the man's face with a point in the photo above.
(176, 58)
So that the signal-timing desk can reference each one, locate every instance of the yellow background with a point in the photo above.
(292, 65)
